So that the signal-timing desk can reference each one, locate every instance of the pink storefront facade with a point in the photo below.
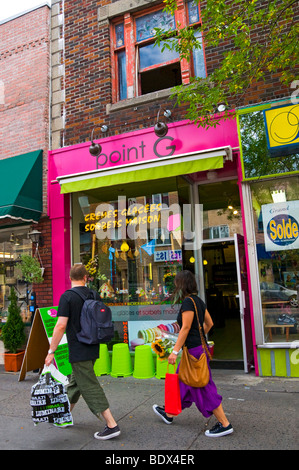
(145, 208)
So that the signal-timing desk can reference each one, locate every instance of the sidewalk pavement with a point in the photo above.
(262, 410)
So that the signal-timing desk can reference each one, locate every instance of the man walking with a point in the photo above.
(82, 356)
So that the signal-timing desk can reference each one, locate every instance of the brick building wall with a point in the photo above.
(88, 94)
(24, 73)
(25, 107)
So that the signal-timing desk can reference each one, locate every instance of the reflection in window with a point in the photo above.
(122, 75)
(221, 209)
(153, 69)
(152, 55)
(13, 243)
(278, 268)
(145, 25)
(198, 59)
(256, 157)
(193, 12)
(119, 33)
(127, 249)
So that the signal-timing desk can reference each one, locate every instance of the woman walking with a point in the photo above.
(207, 399)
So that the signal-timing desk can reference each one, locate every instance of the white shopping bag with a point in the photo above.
(49, 401)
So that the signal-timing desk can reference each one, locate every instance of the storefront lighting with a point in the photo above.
(94, 149)
(161, 128)
(167, 113)
(6, 255)
(221, 107)
(36, 237)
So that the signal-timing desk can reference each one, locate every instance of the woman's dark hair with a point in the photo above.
(185, 284)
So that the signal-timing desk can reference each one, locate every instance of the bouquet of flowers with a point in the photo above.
(163, 344)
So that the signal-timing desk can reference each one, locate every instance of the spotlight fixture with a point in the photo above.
(94, 149)
(12, 238)
(221, 107)
(104, 128)
(160, 128)
(167, 113)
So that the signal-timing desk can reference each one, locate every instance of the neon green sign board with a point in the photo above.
(61, 357)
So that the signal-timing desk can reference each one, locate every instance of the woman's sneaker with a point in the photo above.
(161, 412)
(219, 430)
(108, 433)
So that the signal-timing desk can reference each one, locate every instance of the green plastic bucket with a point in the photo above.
(144, 367)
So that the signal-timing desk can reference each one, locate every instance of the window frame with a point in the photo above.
(131, 48)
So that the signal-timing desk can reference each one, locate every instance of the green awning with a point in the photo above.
(145, 171)
(21, 187)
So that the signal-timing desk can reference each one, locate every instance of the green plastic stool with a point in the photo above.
(161, 368)
(144, 367)
(121, 361)
(102, 366)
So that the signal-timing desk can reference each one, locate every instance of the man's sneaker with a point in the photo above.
(161, 412)
(108, 433)
(219, 430)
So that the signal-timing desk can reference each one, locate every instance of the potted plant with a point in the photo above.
(30, 270)
(13, 335)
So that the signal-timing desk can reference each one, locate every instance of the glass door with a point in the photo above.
(243, 296)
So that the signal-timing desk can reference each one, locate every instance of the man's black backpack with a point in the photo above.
(95, 320)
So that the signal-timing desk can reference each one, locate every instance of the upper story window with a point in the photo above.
(139, 67)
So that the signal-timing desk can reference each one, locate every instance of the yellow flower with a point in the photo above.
(158, 347)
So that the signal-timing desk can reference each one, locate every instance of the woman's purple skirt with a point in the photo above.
(206, 398)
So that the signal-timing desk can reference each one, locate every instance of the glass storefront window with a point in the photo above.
(13, 243)
(132, 246)
(258, 161)
(221, 209)
(276, 218)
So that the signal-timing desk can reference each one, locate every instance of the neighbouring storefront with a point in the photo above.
(145, 208)
(20, 209)
(269, 136)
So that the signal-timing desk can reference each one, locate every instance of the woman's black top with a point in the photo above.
(193, 339)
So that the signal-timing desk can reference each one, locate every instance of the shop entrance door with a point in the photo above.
(243, 294)
(226, 292)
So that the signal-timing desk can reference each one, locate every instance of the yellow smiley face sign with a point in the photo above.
(282, 128)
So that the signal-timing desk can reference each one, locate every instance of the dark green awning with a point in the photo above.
(21, 187)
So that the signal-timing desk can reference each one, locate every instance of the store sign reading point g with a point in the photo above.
(283, 229)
